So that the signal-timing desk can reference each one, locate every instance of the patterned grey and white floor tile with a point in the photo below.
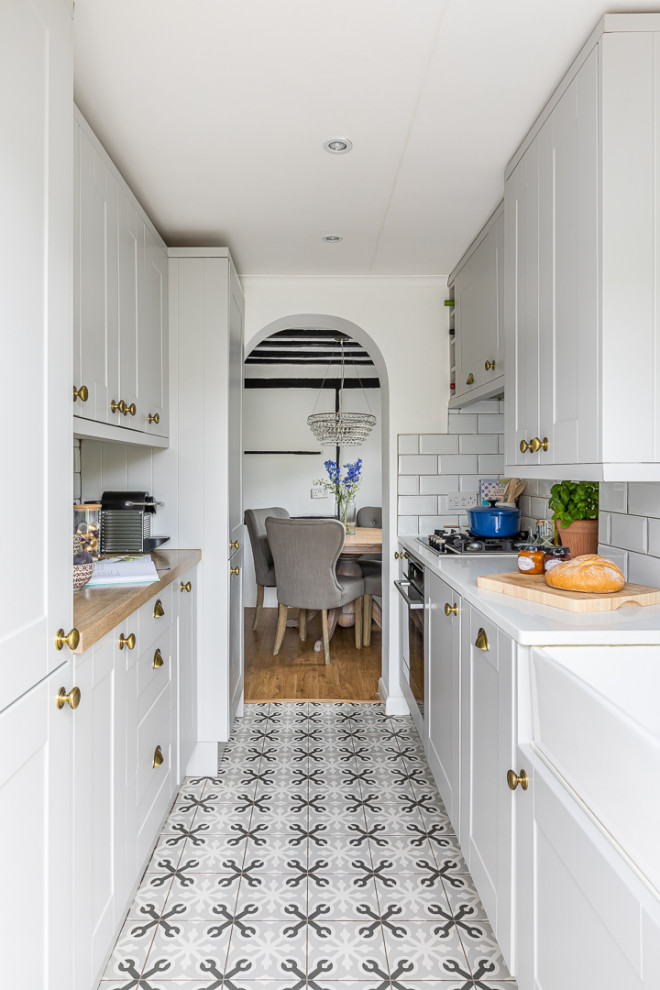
(319, 858)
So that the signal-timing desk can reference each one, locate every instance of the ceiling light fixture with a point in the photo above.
(337, 146)
(332, 238)
(341, 429)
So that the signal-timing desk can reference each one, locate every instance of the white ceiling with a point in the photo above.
(216, 111)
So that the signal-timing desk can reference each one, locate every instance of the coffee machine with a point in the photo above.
(125, 523)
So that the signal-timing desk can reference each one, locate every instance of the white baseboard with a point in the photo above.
(394, 705)
(204, 760)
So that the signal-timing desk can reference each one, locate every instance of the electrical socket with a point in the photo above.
(461, 500)
(319, 492)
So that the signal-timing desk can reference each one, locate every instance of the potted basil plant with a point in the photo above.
(575, 507)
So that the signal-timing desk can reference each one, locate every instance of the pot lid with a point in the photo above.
(495, 510)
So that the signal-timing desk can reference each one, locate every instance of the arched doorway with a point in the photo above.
(291, 370)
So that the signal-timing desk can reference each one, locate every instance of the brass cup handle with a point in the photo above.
(159, 611)
(451, 609)
(132, 409)
(81, 393)
(537, 444)
(513, 779)
(470, 379)
(72, 699)
(186, 587)
(481, 642)
(399, 556)
(154, 419)
(128, 641)
(234, 570)
(158, 757)
(158, 660)
(234, 546)
(71, 639)
(118, 406)
(489, 366)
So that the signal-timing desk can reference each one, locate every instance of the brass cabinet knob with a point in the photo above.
(186, 587)
(128, 641)
(154, 419)
(132, 409)
(399, 556)
(481, 642)
(537, 444)
(234, 570)
(513, 779)
(118, 406)
(159, 611)
(158, 660)
(67, 639)
(489, 366)
(158, 757)
(81, 393)
(72, 699)
(234, 546)
(451, 609)
(524, 446)
(470, 379)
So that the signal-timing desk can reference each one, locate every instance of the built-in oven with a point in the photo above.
(413, 636)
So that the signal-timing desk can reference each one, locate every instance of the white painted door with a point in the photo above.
(97, 834)
(186, 669)
(583, 918)
(444, 693)
(35, 810)
(153, 366)
(35, 342)
(95, 282)
(521, 218)
(235, 493)
(235, 610)
(487, 749)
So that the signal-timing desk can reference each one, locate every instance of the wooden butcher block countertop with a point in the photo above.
(532, 588)
(98, 610)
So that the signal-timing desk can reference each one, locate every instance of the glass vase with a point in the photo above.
(348, 515)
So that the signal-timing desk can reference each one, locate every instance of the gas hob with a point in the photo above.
(452, 541)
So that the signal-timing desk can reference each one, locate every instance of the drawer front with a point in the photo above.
(154, 670)
(154, 731)
(150, 623)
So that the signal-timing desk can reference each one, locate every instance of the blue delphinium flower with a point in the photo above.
(344, 489)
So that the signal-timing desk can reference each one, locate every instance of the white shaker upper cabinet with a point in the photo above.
(478, 292)
(581, 310)
(152, 414)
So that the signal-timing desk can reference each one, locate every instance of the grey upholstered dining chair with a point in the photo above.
(255, 520)
(370, 516)
(305, 554)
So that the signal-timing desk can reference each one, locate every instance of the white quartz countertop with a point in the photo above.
(537, 625)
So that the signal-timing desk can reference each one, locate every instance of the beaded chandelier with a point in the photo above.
(341, 429)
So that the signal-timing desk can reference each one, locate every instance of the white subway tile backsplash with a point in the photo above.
(543, 487)
(654, 537)
(501, 444)
(462, 423)
(439, 443)
(604, 527)
(613, 496)
(438, 484)
(76, 456)
(410, 505)
(491, 464)
(620, 557)
(408, 525)
(428, 523)
(539, 507)
(493, 423)
(486, 406)
(418, 464)
(77, 488)
(478, 444)
(644, 499)
(408, 443)
(629, 532)
(468, 483)
(408, 484)
(643, 569)
(458, 464)
(525, 505)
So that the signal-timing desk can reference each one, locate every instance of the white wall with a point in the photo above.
(403, 324)
(276, 419)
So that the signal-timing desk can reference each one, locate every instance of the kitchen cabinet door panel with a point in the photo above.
(187, 671)
(130, 253)
(444, 698)
(153, 368)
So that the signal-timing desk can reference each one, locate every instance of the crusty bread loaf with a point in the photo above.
(590, 573)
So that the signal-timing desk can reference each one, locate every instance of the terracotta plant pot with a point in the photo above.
(580, 537)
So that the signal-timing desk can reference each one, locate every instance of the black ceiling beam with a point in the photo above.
(316, 383)
(259, 359)
(312, 333)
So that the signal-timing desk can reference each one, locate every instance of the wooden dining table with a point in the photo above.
(365, 539)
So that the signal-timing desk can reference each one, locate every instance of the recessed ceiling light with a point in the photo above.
(332, 238)
(338, 146)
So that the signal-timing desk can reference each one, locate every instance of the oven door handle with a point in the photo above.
(411, 604)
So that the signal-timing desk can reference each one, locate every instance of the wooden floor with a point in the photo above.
(297, 673)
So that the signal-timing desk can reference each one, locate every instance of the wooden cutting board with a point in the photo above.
(532, 588)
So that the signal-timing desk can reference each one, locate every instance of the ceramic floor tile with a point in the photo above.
(343, 898)
(484, 955)
(273, 951)
(188, 956)
(274, 900)
(425, 953)
(347, 949)
(130, 952)
(413, 901)
(202, 897)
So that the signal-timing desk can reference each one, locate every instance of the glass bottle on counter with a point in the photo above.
(86, 526)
